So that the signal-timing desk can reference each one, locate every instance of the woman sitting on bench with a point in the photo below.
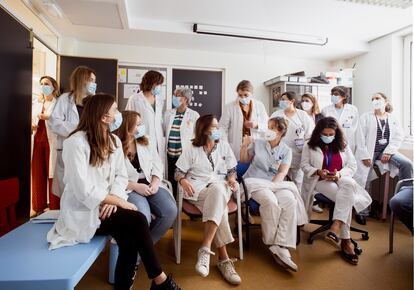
(94, 199)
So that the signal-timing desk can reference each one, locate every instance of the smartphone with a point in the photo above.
(330, 174)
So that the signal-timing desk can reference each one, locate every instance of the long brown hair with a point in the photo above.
(77, 80)
(124, 132)
(201, 130)
(101, 141)
(150, 79)
(55, 85)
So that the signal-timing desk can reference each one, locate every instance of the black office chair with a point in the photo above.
(326, 224)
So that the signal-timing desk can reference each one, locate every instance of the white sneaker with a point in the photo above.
(316, 208)
(203, 261)
(282, 257)
(226, 268)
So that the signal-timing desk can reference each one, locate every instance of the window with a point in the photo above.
(407, 90)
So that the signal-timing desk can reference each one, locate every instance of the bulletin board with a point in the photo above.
(207, 87)
(129, 80)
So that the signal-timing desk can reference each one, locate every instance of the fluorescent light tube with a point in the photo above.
(259, 34)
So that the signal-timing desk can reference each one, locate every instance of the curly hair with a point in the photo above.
(338, 144)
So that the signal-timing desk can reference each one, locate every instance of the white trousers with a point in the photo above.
(212, 202)
(342, 193)
(296, 175)
(278, 215)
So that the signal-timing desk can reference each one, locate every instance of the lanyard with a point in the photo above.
(382, 128)
(328, 158)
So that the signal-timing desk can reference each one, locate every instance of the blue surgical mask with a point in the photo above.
(141, 131)
(156, 91)
(284, 104)
(245, 101)
(176, 101)
(327, 139)
(91, 88)
(335, 99)
(215, 135)
(47, 90)
(116, 123)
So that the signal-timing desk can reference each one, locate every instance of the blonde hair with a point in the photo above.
(245, 85)
(315, 108)
(77, 80)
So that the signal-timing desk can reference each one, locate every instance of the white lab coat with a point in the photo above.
(150, 163)
(312, 160)
(198, 169)
(86, 186)
(152, 120)
(51, 137)
(231, 123)
(62, 122)
(186, 129)
(349, 122)
(307, 125)
(369, 130)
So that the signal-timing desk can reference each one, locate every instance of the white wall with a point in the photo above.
(256, 68)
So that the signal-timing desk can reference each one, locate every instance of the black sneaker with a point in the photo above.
(168, 284)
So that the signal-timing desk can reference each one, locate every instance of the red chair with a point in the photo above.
(9, 196)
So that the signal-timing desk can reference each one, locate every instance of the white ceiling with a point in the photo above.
(168, 24)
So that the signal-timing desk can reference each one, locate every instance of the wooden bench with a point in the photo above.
(27, 263)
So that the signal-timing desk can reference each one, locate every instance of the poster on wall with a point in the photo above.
(207, 89)
(129, 80)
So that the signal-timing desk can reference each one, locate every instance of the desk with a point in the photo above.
(26, 262)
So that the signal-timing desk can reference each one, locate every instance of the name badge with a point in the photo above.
(346, 125)
(299, 143)
(382, 141)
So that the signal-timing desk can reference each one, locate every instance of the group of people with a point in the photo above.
(110, 167)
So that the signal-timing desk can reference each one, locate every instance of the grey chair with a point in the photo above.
(401, 183)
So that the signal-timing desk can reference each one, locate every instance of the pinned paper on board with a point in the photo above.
(130, 90)
(122, 75)
(135, 75)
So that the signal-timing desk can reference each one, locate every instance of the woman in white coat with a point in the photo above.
(242, 117)
(384, 135)
(329, 165)
(65, 116)
(179, 124)
(149, 104)
(94, 199)
(281, 209)
(44, 154)
(145, 171)
(207, 175)
(300, 127)
(348, 118)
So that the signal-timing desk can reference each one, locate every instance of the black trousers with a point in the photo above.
(130, 230)
(171, 173)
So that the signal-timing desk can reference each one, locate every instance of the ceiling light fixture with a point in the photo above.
(259, 34)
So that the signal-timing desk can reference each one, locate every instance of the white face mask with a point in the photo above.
(378, 104)
(307, 106)
(270, 135)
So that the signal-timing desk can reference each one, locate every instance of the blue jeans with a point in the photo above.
(162, 205)
(402, 206)
(405, 170)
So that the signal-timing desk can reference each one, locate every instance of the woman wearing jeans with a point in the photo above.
(94, 201)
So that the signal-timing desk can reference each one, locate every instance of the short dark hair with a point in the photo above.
(342, 91)
(338, 144)
(201, 130)
(150, 79)
(290, 95)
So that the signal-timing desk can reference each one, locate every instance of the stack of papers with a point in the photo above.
(48, 217)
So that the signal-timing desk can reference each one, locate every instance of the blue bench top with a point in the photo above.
(27, 263)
